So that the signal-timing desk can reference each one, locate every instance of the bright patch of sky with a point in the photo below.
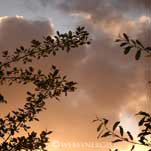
(129, 123)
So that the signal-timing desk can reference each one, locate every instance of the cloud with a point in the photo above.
(98, 9)
(45, 3)
(16, 31)
(135, 7)
(105, 76)
(109, 82)
(36, 5)
(106, 8)
(102, 71)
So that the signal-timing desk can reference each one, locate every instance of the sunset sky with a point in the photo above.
(110, 84)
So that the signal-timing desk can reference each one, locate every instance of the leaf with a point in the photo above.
(143, 113)
(142, 140)
(54, 53)
(117, 40)
(21, 47)
(133, 42)
(1, 98)
(127, 49)
(139, 43)
(106, 134)
(138, 55)
(1, 74)
(36, 119)
(126, 37)
(106, 121)
(99, 127)
(126, 139)
(58, 33)
(132, 148)
(130, 135)
(143, 134)
(82, 28)
(55, 72)
(116, 141)
(123, 44)
(94, 121)
(31, 69)
(148, 55)
(29, 93)
(100, 133)
(53, 67)
(121, 130)
(115, 125)
(70, 34)
(49, 132)
(148, 48)
(141, 122)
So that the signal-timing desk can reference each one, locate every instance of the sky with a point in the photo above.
(110, 84)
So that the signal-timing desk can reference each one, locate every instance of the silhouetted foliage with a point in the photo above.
(120, 135)
(46, 86)
(117, 132)
(129, 44)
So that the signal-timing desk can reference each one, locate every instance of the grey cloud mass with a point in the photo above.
(106, 9)
(86, 5)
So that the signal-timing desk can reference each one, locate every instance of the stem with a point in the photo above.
(22, 57)
(132, 142)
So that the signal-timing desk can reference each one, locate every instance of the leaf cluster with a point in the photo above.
(52, 85)
(120, 135)
(129, 44)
